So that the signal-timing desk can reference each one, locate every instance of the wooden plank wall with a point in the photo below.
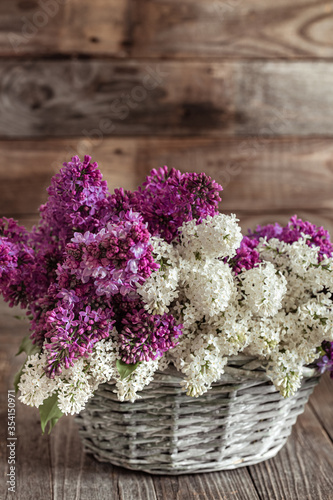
(240, 89)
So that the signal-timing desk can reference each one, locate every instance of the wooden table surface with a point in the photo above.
(55, 467)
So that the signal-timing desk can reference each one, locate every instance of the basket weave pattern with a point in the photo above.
(241, 421)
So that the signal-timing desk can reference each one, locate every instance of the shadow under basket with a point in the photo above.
(241, 421)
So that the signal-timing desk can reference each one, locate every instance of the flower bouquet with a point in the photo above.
(154, 296)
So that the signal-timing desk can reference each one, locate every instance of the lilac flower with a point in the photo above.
(13, 232)
(326, 361)
(8, 262)
(39, 310)
(114, 259)
(72, 334)
(145, 336)
(168, 199)
(293, 231)
(77, 198)
(121, 201)
(247, 257)
(17, 266)
(269, 231)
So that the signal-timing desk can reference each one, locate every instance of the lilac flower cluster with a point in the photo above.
(116, 258)
(167, 199)
(248, 257)
(326, 361)
(145, 336)
(78, 200)
(293, 232)
(72, 334)
(17, 265)
(77, 271)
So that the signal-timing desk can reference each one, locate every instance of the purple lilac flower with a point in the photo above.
(17, 266)
(38, 311)
(121, 201)
(8, 262)
(114, 259)
(293, 232)
(77, 197)
(246, 256)
(269, 231)
(72, 334)
(10, 229)
(326, 361)
(145, 336)
(168, 199)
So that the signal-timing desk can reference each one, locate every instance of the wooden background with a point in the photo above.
(240, 89)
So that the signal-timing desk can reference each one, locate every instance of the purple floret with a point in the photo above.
(293, 232)
(168, 199)
(146, 336)
(72, 334)
(115, 259)
(247, 257)
(77, 197)
(326, 361)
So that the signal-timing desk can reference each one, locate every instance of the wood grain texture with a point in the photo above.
(259, 175)
(227, 485)
(168, 28)
(63, 27)
(98, 98)
(233, 28)
(302, 469)
(322, 403)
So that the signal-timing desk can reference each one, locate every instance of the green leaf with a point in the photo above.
(124, 369)
(49, 412)
(28, 347)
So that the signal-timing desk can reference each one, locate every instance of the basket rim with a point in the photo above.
(239, 367)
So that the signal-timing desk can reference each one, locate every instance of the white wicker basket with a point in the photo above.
(241, 421)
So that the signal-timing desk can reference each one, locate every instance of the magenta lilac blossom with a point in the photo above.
(167, 199)
(145, 336)
(293, 232)
(115, 259)
(326, 361)
(247, 257)
(76, 196)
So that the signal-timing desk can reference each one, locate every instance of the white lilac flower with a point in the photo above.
(128, 388)
(203, 365)
(75, 385)
(208, 285)
(264, 335)
(161, 288)
(263, 289)
(285, 371)
(217, 236)
(34, 385)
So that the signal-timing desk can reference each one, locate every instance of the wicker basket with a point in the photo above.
(241, 421)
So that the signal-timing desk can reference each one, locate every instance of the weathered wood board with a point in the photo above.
(31, 27)
(100, 98)
(168, 28)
